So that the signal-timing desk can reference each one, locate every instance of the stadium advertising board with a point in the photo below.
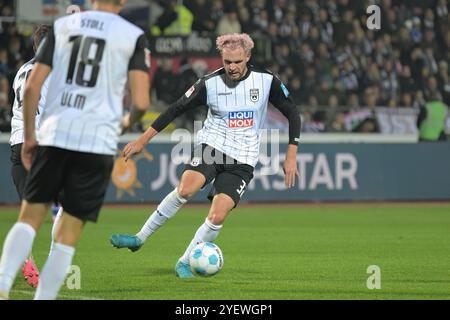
(48, 10)
(176, 45)
(328, 172)
(201, 46)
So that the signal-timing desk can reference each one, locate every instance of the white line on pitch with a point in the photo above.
(61, 295)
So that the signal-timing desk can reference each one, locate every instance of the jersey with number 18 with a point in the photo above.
(94, 50)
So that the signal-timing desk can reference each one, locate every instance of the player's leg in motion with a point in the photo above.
(18, 243)
(55, 269)
(55, 217)
(222, 204)
(29, 270)
(85, 179)
(19, 174)
(190, 183)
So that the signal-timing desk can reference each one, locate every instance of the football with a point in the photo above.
(206, 259)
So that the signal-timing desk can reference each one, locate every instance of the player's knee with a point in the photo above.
(185, 191)
(217, 217)
(67, 237)
(33, 214)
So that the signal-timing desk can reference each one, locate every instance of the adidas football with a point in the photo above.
(206, 259)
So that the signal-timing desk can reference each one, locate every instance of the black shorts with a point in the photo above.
(83, 178)
(230, 176)
(18, 171)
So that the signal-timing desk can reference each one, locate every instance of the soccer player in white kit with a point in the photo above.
(18, 172)
(237, 96)
(91, 55)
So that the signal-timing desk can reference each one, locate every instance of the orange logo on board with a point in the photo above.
(124, 174)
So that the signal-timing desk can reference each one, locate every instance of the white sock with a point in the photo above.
(166, 210)
(55, 225)
(54, 271)
(206, 233)
(16, 249)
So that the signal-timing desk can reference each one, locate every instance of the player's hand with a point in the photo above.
(132, 148)
(28, 149)
(290, 172)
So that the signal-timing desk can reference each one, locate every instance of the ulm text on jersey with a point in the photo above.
(69, 100)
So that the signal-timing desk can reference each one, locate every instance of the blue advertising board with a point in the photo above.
(328, 172)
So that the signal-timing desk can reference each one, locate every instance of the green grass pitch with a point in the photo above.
(278, 253)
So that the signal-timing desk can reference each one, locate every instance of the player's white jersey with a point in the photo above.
(236, 111)
(19, 89)
(90, 54)
(236, 114)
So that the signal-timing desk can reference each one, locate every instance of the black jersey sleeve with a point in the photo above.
(141, 56)
(280, 99)
(45, 51)
(194, 97)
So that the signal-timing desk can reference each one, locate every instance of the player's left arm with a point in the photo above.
(32, 94)
(280, 99)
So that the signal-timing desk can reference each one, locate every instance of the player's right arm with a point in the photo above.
(138, 76)
(281, 99)
(194, 97)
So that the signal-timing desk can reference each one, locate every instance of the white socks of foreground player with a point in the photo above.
(16, 249)
(206, 233)
(54, 271)
(166, 210)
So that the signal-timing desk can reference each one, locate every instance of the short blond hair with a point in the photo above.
(235, 40)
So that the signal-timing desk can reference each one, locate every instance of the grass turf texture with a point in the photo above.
(304, 252)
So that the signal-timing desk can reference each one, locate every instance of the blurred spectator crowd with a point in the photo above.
(330, 60)
(15, 50)
(322, 49)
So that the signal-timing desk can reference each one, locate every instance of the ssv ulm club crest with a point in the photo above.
(254, 95)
